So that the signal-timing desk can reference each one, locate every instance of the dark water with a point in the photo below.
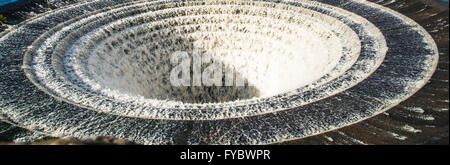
(4, 2)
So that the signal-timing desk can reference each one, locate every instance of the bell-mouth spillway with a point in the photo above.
(276, 54)
(310, 67)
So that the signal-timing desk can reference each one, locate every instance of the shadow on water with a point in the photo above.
(140, 64)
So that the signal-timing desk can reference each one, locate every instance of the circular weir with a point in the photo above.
(260, 71)
(271, 50)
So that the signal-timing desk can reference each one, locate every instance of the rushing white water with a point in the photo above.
(273, 55)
